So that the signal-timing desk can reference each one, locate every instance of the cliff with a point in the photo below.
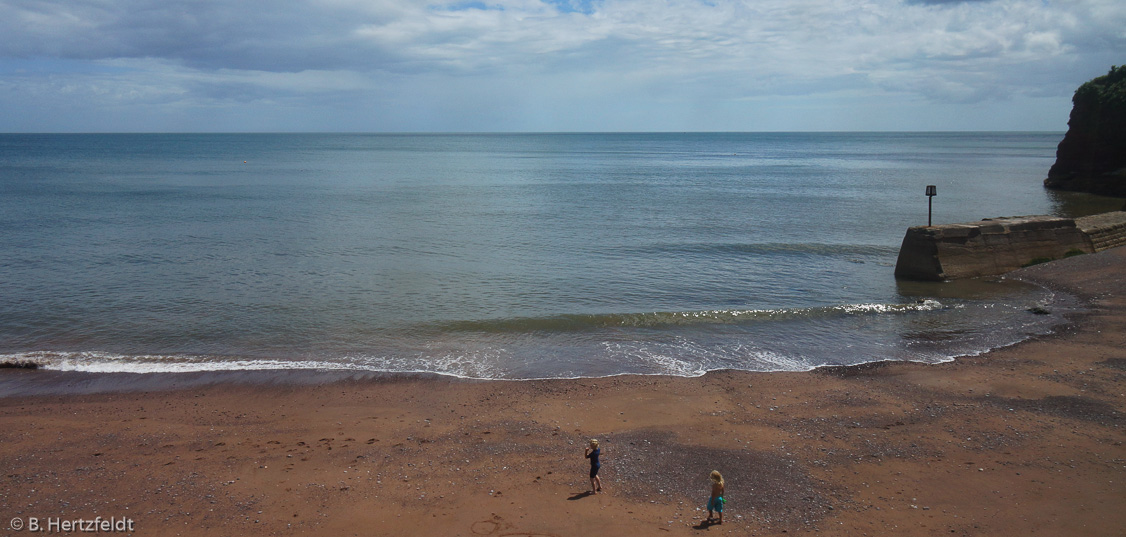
(1092, 156)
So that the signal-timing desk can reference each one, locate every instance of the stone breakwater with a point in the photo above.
(1105, 230)
(999, 245)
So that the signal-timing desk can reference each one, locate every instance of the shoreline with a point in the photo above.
(1023, 439)
(28, 378)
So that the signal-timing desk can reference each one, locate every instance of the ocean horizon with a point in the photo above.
(501, 255)
(1058, 134)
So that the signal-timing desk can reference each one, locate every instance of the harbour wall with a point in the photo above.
(998, 245)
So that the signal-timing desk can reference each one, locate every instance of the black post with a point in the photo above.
(931, 192)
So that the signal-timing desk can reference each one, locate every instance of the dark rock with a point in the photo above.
(19, 365)
(1092, 155)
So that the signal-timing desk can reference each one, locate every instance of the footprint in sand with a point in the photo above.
(484, 527)
(489, 527)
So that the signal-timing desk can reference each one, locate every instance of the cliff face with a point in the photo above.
(1092, 156)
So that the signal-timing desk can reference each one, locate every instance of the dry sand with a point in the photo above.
(1025, 440)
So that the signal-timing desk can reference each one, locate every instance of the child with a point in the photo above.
(592, 453)
(715, 503)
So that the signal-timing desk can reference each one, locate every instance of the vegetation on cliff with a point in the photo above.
(1092, 155)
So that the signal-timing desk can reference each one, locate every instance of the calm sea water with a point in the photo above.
(501, 256)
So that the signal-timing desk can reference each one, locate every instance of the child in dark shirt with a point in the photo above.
(593, 453)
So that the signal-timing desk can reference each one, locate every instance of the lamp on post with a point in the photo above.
(931, 193)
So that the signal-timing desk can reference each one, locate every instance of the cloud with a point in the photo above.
(945, 2)
(584, 54)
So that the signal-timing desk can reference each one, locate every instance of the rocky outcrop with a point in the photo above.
(1092, 156)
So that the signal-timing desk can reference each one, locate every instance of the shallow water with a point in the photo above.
(502, 256)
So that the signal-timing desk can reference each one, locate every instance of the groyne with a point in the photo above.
(998, 245)
(1105, 230)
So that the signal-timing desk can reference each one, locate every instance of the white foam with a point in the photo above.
(477, 365)
(779, 362)
(687, 358)
(925, 305)
(468, 364)
(651, 358)
(102, 362)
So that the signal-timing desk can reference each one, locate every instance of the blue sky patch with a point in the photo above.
(466, 6)
(586, 7)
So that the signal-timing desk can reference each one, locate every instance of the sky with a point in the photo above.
(550, 65)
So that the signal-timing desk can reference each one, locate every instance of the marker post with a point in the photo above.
(931, 193)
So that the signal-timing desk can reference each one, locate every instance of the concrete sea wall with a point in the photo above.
(998, 245)
(1105, 230)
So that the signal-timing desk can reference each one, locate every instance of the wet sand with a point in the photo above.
(1025, 440)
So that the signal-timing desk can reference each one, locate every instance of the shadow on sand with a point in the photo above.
(706, 523)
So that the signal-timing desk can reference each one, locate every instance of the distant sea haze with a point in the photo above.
(502, 256)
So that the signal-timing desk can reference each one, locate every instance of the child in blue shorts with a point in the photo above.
(716, 501)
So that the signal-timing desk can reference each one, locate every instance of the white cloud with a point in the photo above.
(684, 58)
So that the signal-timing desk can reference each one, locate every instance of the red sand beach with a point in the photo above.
(1025, 440)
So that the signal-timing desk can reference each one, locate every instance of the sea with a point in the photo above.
(504, 256)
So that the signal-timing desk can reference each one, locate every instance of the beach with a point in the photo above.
(1019, 441)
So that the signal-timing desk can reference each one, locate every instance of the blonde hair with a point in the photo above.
(594, 443)
(717, 477)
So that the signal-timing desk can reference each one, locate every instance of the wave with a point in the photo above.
(460, 366)
(656, 320)
(105, 362)
(685, 344)
(766, 248)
